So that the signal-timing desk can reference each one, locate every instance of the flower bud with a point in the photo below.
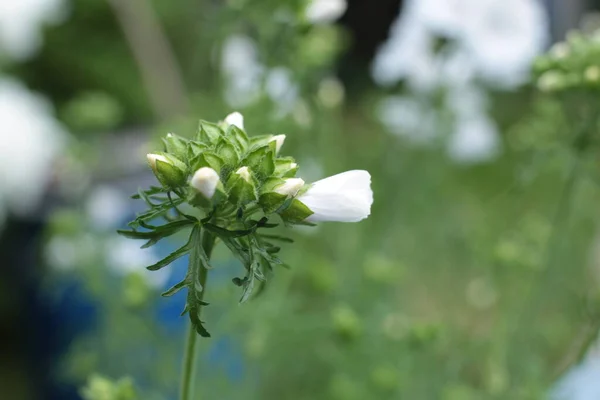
(290, 187)
(169, 171)
(241, 186)
(345, 197)
(205, 181)
(175, 145)
(236, 119)
(278, 139)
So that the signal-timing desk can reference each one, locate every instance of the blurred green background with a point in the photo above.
(475, 277)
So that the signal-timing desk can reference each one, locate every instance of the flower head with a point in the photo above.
(236, 119)
(290, 187)
(345, 197)
(205, 181)
(278, 139)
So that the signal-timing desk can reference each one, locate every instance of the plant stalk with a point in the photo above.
(189, 358)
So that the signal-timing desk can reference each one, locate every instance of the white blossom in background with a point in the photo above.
(247, 79)
(406, 117)
(475, 139)
(282, 90)
(125, 257)
(107, 207)
(499, 38)
(242, 69)
(31, 142)
(490, 41)
(325, 11)
(21, 24)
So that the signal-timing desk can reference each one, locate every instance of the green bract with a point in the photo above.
(219, 186)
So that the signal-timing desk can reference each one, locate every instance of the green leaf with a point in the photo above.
(248, 286)
(180, 252)
(195, 148)
(195, 273)
(222, 232)
(175, 288)
(277, 237)
(158, 233)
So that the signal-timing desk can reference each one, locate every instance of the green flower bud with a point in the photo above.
(169, 171)
(176, 145)
(278, 139)
(242, 189)
(208, 187)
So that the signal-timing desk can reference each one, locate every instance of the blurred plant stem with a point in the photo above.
(154, 56)
(535, 301)
(189, 357)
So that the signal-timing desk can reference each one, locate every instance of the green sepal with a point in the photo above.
(228, 152)
(241, 191)
(271, 201)
(283, 167)
(207, 159)
(171, 174)
(195, 148)
(209, 133)
(259, 141)
(296, 213)
(176, 145)
(238, 136)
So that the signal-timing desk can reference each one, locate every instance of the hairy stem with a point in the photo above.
(189, 359)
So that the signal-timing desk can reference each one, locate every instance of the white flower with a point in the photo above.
(22, 22)
(32, 141)
(242, 70)
(345, 197)
(278, 139)
(290, 187)
(475, 140)
(236, 119)
(244, 173)
(205, 181)
(152, 158)
(325, 11)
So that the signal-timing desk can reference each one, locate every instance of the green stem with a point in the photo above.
(187, 380)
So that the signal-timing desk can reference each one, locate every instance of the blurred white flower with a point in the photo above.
(243, 72)
(345, 197)
(107, 207)
(325, 11)
(281, 89)
(498, 38)
(21, 24)
(504, 38)
(406, 117)
(124, 256)
(31, 141)
(474, 140)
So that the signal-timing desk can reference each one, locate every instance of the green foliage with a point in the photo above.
(101, 388)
